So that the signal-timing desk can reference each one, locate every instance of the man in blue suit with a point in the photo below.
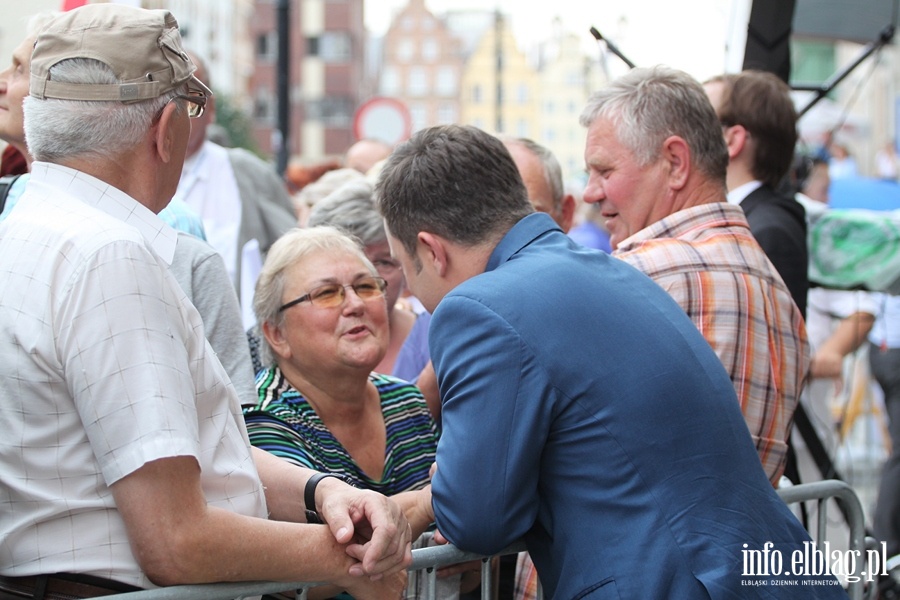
(582, 409)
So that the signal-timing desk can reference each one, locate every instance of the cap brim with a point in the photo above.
(194, 82)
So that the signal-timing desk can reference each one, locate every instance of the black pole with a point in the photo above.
(283, 79)
(768, 37)
(886, 35)
(611, 47)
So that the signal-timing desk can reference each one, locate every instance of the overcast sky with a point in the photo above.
(691, 35)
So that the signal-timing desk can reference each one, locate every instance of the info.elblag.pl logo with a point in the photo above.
(814, 564)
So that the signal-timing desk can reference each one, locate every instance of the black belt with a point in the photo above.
(61, 586)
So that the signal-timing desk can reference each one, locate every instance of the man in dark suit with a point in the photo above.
(759, 123)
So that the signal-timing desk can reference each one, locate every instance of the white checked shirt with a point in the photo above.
(103, 367)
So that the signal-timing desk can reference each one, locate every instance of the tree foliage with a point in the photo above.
(236, 123)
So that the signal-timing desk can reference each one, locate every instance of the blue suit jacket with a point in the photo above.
(583, 411)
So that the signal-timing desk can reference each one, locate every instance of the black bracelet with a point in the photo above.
(309, 496)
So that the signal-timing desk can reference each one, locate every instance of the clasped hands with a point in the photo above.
(371, 527)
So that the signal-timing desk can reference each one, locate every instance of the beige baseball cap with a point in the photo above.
(142, 47)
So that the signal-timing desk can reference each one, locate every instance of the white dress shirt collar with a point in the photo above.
(112, 201)
(737, 195)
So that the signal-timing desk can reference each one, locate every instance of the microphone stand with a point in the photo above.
(821, 91)
(612, 47)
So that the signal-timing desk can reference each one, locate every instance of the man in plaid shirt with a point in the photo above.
(657, 163)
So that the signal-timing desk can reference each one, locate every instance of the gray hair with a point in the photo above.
(351, 208)
(647, 105)
(59, 129)
(327, 183)
(551, 166)
(288, 250)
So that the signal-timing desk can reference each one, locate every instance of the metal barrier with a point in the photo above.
(428, 560)
(432, 558)
(822, 492)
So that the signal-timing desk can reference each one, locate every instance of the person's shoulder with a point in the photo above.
(193, 247)
(241, 158)
(769, 205)
(658, 253)
(773, 197)
(535, 278)
(196, 265)
(78, 225)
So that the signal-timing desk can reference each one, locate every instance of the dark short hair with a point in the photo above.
(761, 103)
(455, 181)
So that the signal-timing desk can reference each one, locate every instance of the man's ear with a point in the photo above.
(163, 140)
(736, 137)
(567, 212)
(432, 249)
(678, 156)
(276, 340)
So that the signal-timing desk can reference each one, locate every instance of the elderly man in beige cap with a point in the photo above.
(124, 461)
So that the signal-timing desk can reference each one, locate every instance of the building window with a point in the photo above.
(522, 128)
(418, 115)
(336, 47)
(390, 81)
(312, 110)
(264, 105)
(336, 111)
(312, 46)
(418, 82)
(446, 113)
(405, 50)
(267, 46)
(430, 50)
(446, 81)
(331, 47)
(522, 94)
(332, 111)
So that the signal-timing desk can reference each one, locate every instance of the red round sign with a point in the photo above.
(385, 119)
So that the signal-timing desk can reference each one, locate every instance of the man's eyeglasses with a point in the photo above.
(332, 295)
(196, 102)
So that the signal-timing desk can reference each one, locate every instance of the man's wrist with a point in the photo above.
(309, 495)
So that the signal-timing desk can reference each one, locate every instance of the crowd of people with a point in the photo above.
(206, 379)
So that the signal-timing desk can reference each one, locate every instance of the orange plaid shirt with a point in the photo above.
(706, 258)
